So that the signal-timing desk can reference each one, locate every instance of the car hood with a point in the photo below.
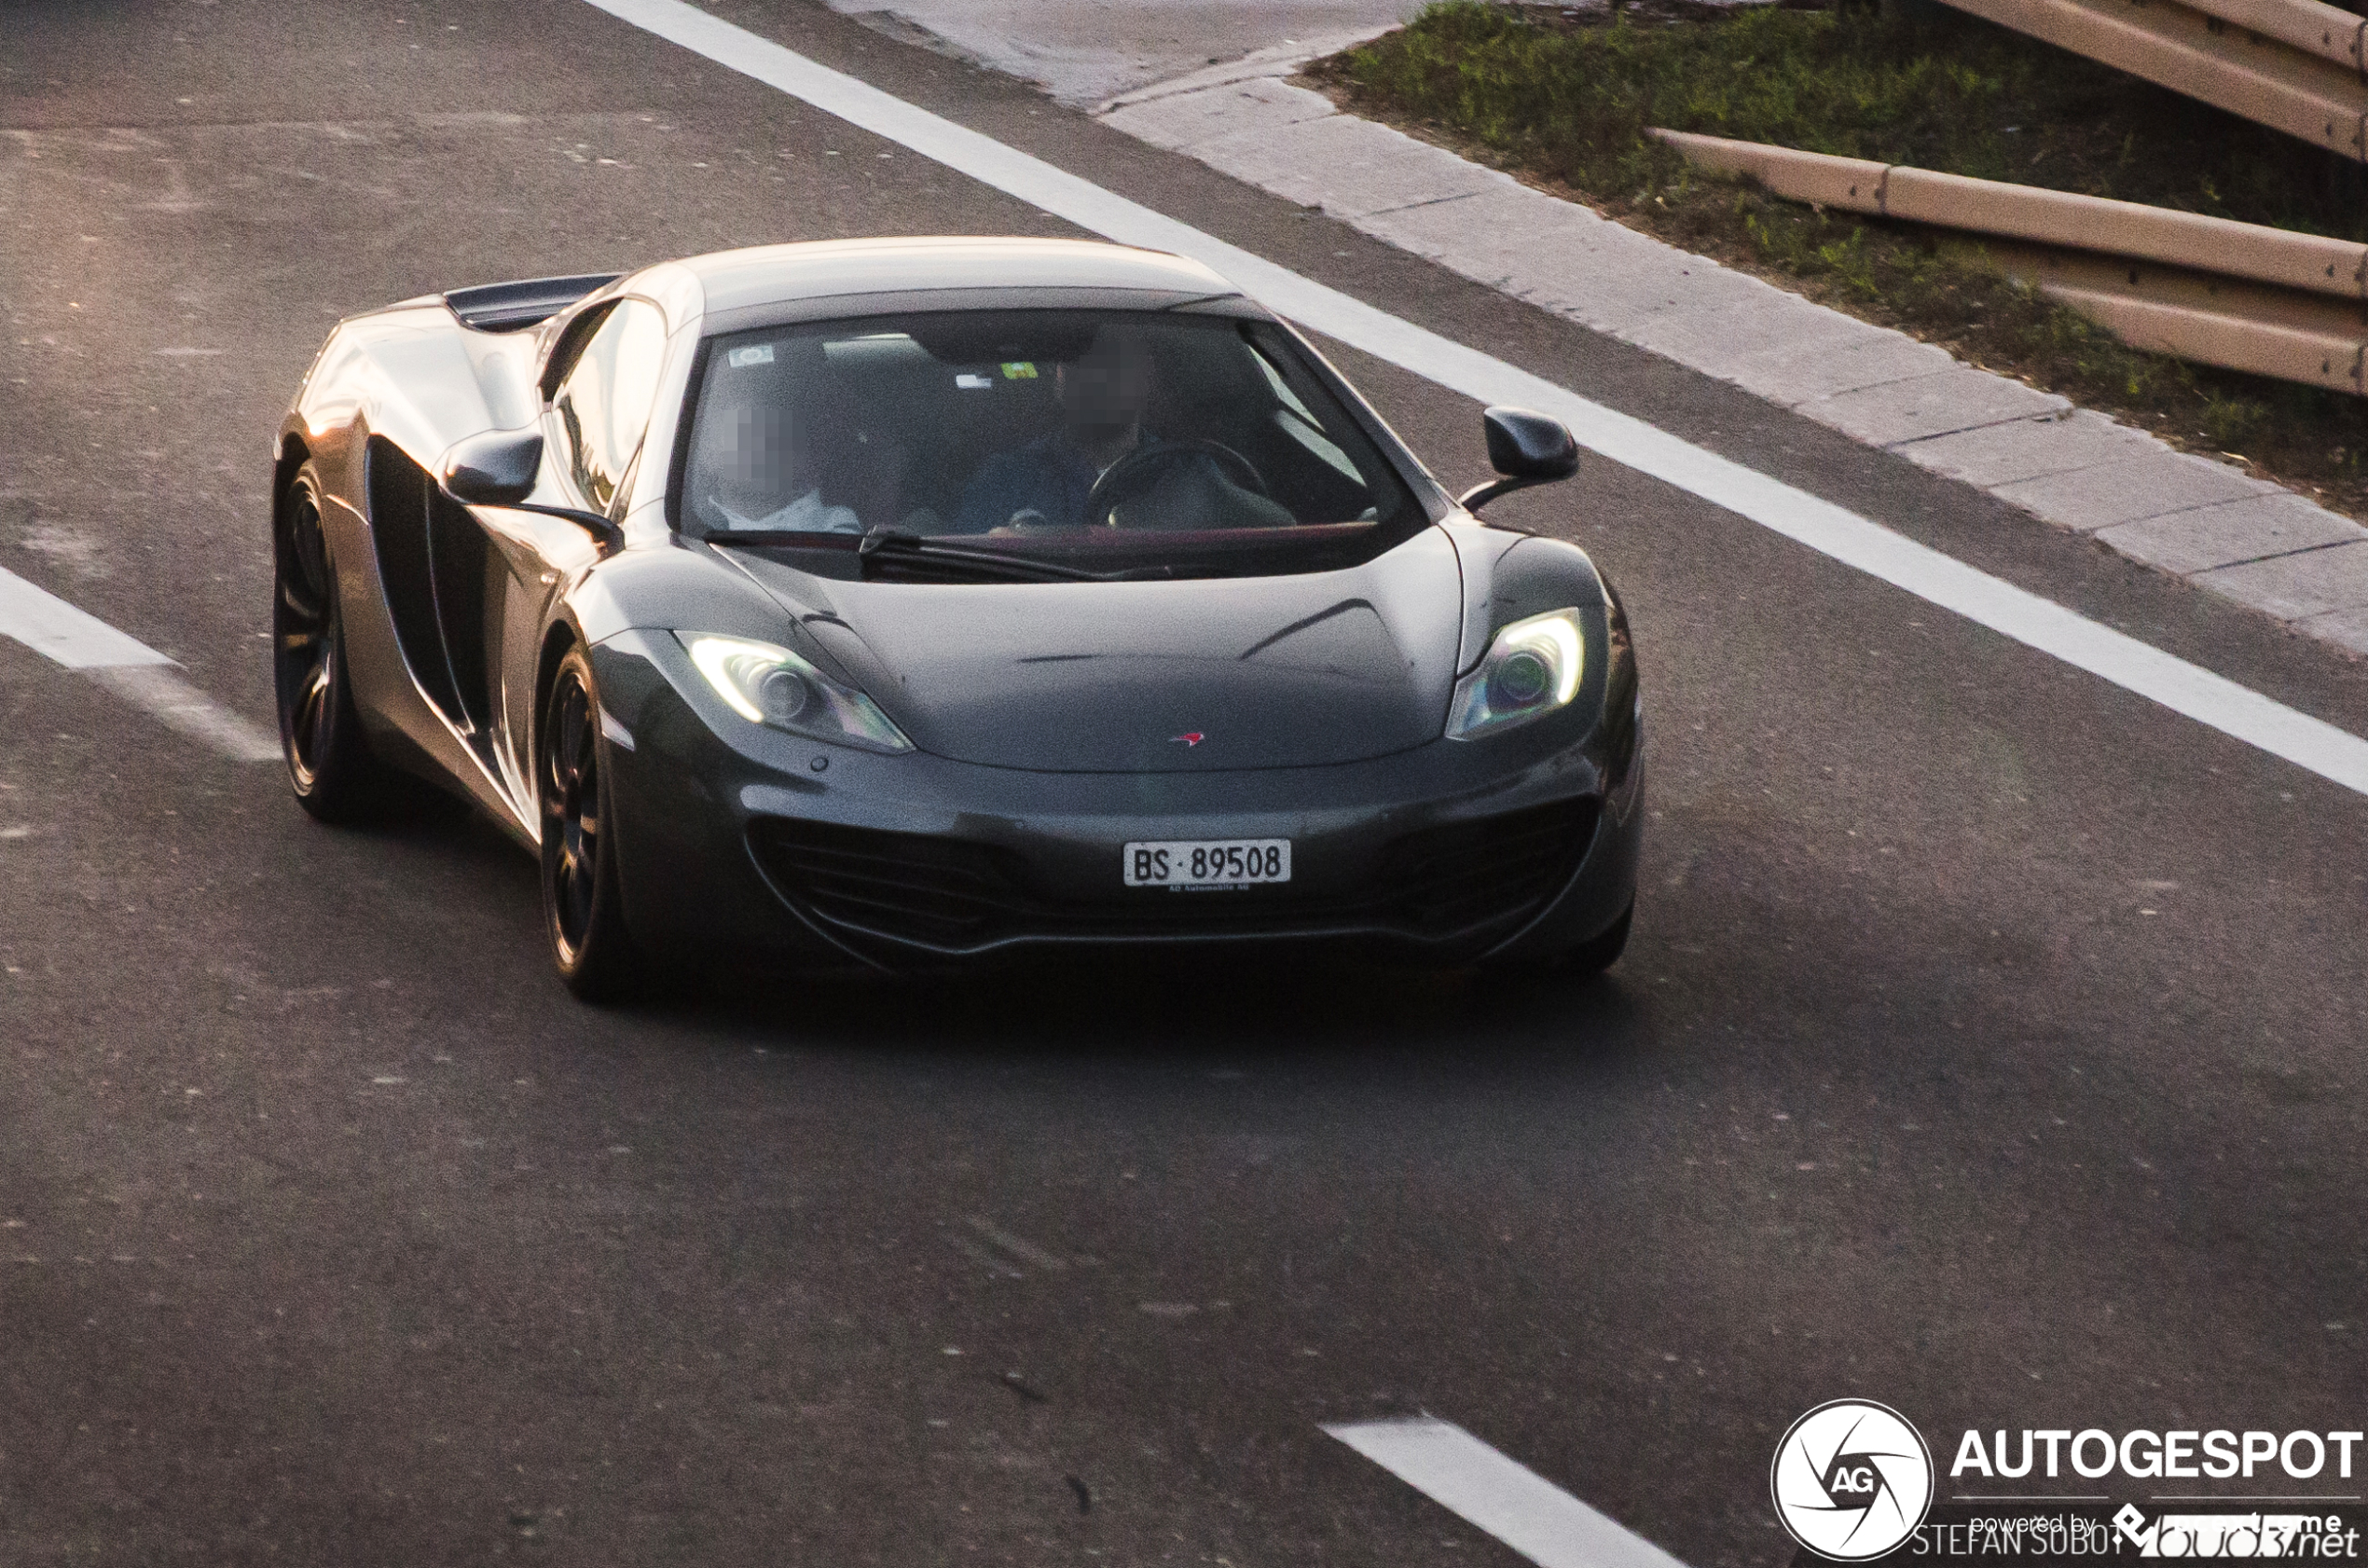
(1288, 671)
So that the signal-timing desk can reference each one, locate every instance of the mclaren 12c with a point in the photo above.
(913, 604)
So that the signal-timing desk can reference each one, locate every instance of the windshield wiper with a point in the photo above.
(882, 545)
(916, 556)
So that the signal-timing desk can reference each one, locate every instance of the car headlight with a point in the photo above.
(773, 686)
(1531, 668)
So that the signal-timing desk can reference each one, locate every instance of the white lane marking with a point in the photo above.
(2184, 688)
(57, 631)
(162, 690)
(126, 667)
(1500, 1495)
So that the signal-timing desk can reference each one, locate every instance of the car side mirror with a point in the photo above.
(495, 469)
(499, 468)
(1526, 449)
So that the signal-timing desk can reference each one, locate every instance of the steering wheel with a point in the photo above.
(1146, 466)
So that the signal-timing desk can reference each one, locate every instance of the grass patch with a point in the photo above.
(1566, 97)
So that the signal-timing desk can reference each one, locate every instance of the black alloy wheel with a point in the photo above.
(330, 766)
(583, 909)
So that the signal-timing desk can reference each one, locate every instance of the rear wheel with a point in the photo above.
(330, 766)
(583, 908)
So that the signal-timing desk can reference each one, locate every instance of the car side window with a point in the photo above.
(604, 399)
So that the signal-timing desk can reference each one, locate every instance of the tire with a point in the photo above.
(583, 903)
(330, 766)
(1600, 953)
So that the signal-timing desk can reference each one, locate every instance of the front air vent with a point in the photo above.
(1459, 883)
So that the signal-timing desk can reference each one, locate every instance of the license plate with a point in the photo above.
(1208, 862)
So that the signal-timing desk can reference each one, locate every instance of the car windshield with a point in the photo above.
(1107, 439)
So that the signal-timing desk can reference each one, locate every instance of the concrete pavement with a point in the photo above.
(1083, 51)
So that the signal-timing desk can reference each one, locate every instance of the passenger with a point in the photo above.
(767, 480)
(1045, 484)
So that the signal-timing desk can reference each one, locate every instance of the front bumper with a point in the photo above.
(745, 848)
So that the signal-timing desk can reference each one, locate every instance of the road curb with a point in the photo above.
(2207, 523)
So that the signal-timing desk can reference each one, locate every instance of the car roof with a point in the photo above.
(780, 274)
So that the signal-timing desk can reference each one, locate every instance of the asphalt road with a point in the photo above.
(1989, 1043)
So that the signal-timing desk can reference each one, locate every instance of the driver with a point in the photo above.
(1045, 484)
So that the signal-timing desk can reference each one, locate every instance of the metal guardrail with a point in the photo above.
(2240, 296)
(2297, 66)
(2328, 31)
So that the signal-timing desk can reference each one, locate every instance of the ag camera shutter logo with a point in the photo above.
(1852, 1479)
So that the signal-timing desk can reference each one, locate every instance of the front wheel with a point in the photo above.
(583, 904)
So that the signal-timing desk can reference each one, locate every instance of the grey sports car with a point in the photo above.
(910, 604)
